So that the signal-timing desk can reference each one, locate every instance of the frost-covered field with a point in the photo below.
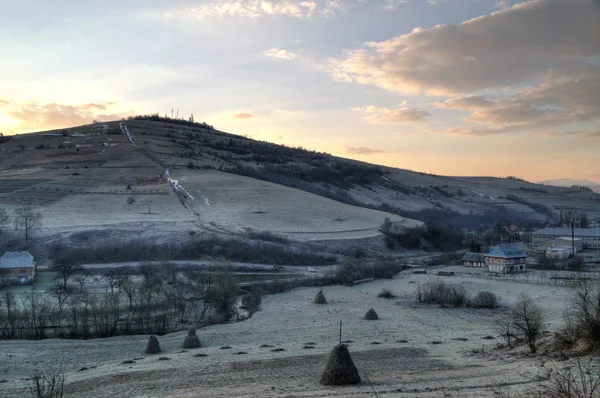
(230, 203)
(289, 321)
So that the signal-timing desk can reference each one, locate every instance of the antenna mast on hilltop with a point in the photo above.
(171, 113)
(177, 113)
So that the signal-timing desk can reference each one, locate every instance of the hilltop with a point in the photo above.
(155, 177)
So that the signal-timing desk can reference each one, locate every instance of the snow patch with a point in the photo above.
(176, 186)
(206, 202)
(127, 133)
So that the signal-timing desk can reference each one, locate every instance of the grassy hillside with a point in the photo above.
(163, 175)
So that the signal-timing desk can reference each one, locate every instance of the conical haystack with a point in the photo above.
(320, 298)
(340, 369)
(191, 340)
(153, 347)
(371, 315)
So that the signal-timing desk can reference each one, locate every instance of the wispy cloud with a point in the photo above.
(255, 9)
(361, 150)
(281, 54)
(243, 116)
(38, 117)
(379, 115)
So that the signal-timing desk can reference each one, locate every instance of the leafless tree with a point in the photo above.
(4, 219)
(586, 311)
(46, 384)
(81, 279)
(65, 269)
(28, 219)
(528, 319)
(505, 327)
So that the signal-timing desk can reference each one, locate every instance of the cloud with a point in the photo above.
(361, 150)
(255, 9)
(31, 116)
(379, 115)
(529, 65)
(549, 104)
(243, 116)
(281, 54)
(505, 49)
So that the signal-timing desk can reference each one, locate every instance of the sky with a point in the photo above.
(452, 87)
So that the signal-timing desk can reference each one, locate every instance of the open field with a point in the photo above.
(412, 368)
(230, 203)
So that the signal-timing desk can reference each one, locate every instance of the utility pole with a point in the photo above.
(572, 238)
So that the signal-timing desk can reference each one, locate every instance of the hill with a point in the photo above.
(569, 182)
(149, 176)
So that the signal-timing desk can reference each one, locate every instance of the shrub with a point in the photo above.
(130, 200)
(439, 292)
(576, 263)
(528, 319)
(266, 236)
(485, 300)
(586, 311)
(46, 384)
(386, 293)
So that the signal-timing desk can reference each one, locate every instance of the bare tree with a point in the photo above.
(65, 269)
(528, 319)
(4, 219)
(504, 326)
(81, 279)
(28, 219)
(46, 384)
(586, 311)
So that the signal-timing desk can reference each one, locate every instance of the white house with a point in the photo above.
(17, 267)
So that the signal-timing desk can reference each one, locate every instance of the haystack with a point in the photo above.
(340, 369)
(371, 315)
(153, 347)
(191, 340)
(320, 298)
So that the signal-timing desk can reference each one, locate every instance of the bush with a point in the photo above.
(266, 236)
(353, 270)
(586, 311)
(130, 200)
(439, 292)
(46, 384)
(485, 300)
(386, 293)
(576, 263)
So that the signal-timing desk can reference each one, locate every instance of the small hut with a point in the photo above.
(371, 315)
(340, 369)
(191, 340)
(320, 298)
(152, 347)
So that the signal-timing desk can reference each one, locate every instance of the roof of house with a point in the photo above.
(559, 248)
(567, 232)
(513, 228)
(470, 256)
(506, 251)
(16, 260)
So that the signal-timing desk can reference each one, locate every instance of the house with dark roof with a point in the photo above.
(506, 259)
(17, 267)
(471, 259)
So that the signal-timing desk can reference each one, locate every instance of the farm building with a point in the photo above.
(559, 252)
(506, 259)
(17, 267)
(589, 236)
(471, 259)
